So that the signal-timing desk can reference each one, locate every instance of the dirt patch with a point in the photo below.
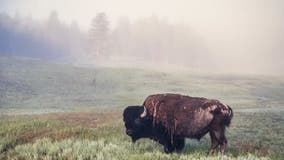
(60, 126)
(33, 135)
(249, 147)
(84, 119)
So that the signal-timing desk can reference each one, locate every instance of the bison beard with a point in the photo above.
(170, 118)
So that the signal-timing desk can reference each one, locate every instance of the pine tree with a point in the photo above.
(99, 34)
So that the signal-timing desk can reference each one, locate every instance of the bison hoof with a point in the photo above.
(168, 149)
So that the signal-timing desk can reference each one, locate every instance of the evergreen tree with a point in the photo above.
(99, 34)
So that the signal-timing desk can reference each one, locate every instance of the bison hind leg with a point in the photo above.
(214, 142)
(223, 145)
(218, 138)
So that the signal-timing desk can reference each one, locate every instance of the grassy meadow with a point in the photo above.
(59, 111)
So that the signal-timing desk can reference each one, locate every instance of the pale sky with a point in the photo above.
(239, 30)
(201, 12)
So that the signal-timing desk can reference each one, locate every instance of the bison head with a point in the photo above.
(137, 122)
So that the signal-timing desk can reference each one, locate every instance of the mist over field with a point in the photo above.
(204, 36)
(69, 68)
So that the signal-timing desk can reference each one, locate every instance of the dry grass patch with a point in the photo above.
(84, 119)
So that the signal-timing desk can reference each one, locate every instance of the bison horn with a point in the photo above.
(144, 113)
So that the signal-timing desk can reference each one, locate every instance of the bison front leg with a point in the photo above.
(179, 144)
(166, 142)
(168, 147)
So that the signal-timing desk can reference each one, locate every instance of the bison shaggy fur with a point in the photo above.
(170, 118)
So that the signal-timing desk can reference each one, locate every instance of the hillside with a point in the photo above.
(33, 85)
(91, 101)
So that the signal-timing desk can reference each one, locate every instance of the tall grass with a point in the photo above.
(113, 149)
(108, 141)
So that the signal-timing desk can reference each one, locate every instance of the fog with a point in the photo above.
(222, 36)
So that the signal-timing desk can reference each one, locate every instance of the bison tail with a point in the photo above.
(228, 115)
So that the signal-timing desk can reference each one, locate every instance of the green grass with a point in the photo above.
(106, 141)
(32, 87)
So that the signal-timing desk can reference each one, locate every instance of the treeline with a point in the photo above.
(49, 39)
(148, 39)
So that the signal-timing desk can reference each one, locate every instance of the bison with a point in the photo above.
(170, 118)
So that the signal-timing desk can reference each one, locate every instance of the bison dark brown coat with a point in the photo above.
(170, 118)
